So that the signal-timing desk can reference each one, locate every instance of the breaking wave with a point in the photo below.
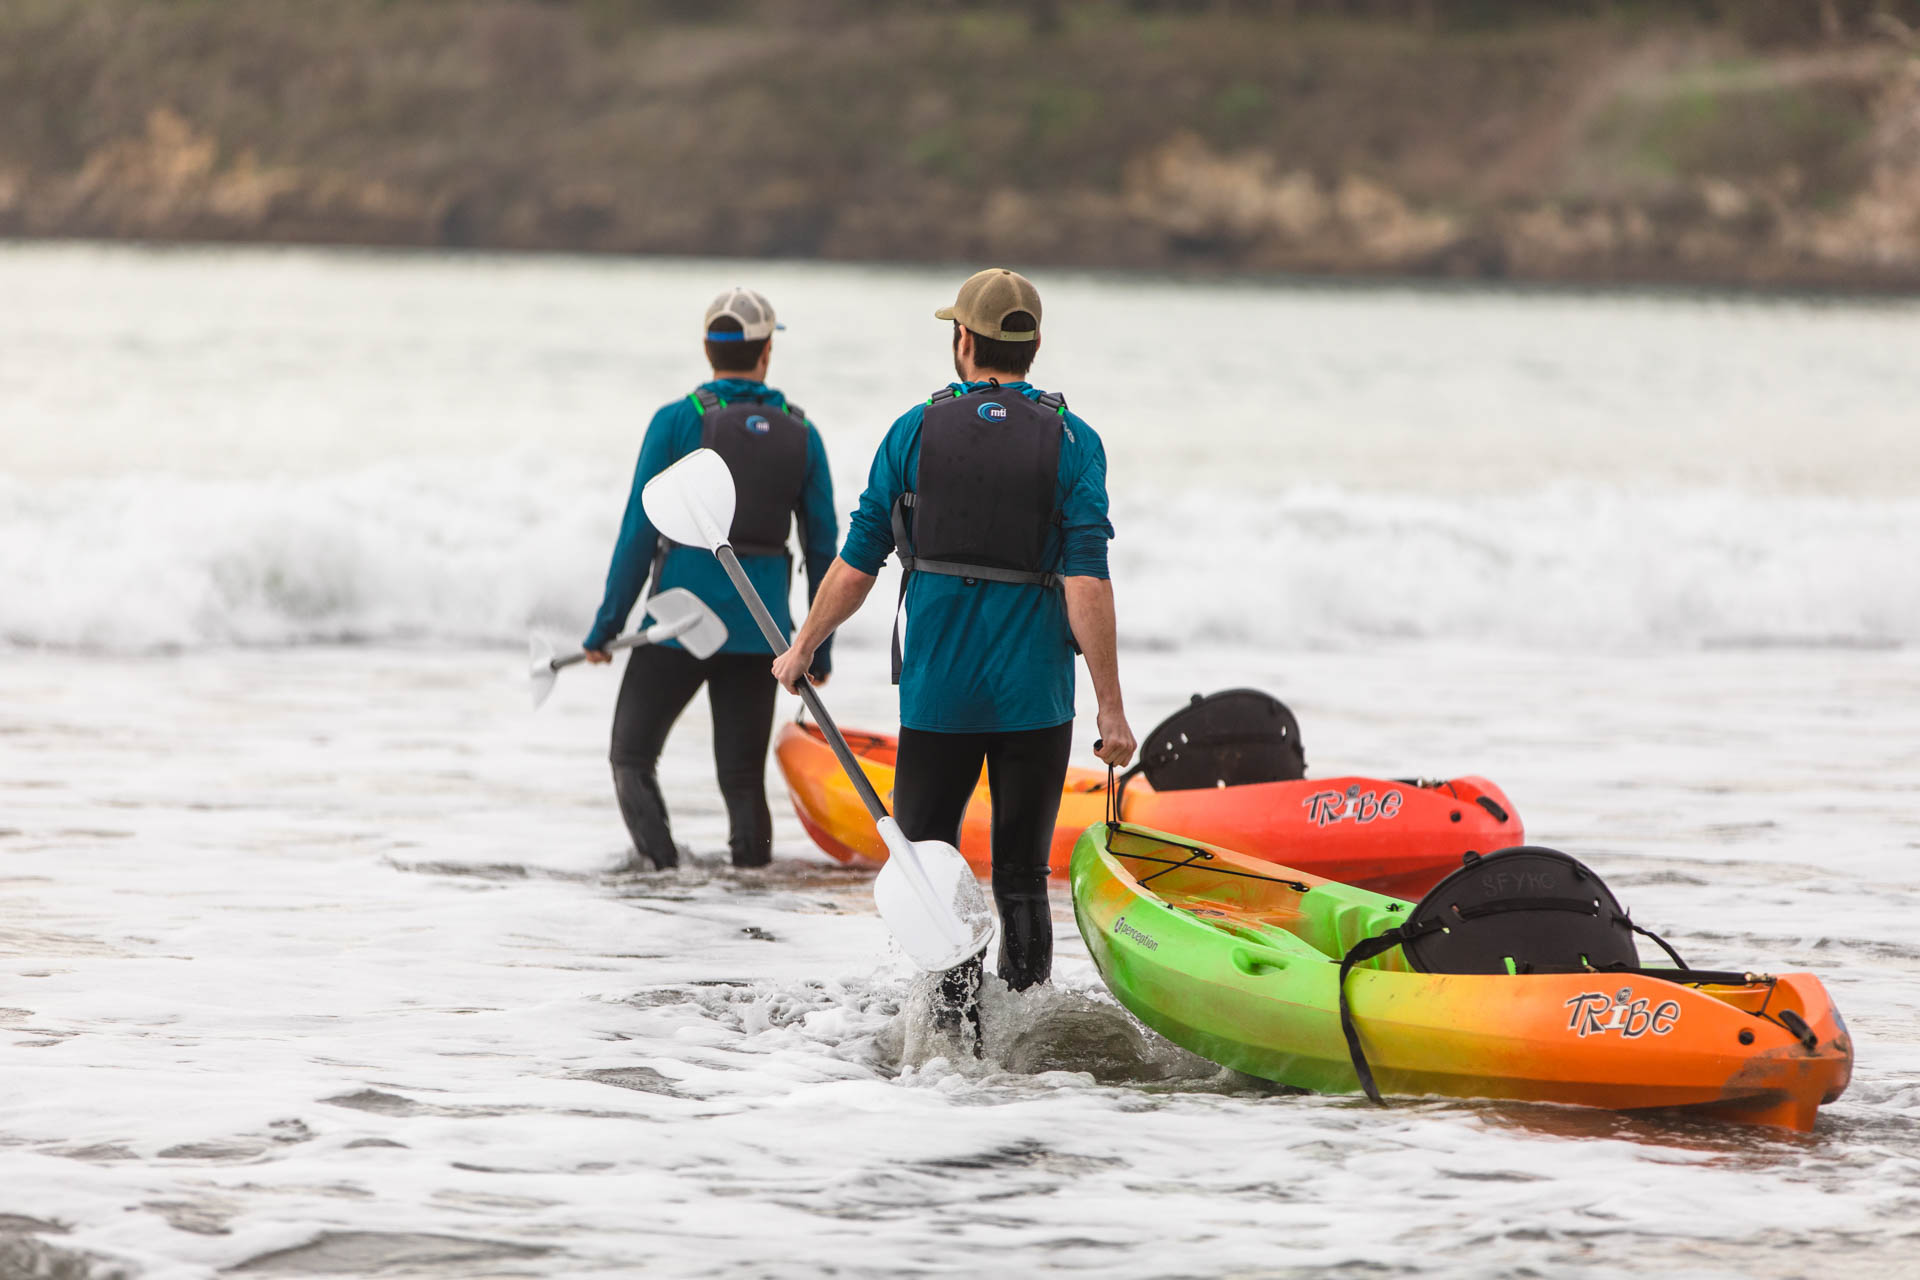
(1566, 567)
(480, 552)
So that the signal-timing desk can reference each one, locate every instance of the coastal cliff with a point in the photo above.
(1224, 137)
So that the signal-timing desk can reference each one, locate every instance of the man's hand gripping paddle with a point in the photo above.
(926, 891)
(677, 615)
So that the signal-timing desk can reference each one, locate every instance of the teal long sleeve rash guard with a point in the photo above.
(987, 657)
(672, 435)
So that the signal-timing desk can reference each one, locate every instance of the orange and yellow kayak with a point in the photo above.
(1391, 836)
(1237, 960)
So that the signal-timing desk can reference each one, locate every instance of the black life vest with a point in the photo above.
(765, 447)
(984, 502)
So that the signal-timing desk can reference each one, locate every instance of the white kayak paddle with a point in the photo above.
(677, 614)
(926, 892)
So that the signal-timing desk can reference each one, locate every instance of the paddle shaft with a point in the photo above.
(651, 635)
(771, 630)
(692, 502)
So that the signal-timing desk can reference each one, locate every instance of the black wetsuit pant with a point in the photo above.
(934, 777)
(659, 683)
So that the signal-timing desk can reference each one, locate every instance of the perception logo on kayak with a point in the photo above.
(1324, 808)
(993, 412)
(759, 425)
(1595, 1013)
(1122, 927)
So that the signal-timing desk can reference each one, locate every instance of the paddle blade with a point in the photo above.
(540, 672)
(690, 621)
(691, 502)
(931, 902)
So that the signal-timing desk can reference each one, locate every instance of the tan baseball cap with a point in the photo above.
(751, 309)
(988, 298)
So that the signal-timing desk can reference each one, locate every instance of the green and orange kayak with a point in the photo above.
(1237, 959)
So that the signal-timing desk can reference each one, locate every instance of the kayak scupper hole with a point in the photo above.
(1746, 1035)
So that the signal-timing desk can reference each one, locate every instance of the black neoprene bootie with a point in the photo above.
(956, 1002)
(755, 850)
(1026, 940)
(646, 819)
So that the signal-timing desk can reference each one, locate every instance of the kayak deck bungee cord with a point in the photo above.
(1240, 961)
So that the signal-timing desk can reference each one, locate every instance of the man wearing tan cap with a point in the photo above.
(994, 496)
(780, 473)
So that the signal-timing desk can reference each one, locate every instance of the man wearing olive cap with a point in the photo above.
(994, 496)
(780, 475)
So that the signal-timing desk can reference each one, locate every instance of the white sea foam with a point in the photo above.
(313, 965)
(480, 551)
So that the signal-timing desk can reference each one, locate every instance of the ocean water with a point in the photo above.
(313, 960)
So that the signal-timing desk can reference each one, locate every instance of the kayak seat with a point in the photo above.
(1227, 739)
(1522, 910)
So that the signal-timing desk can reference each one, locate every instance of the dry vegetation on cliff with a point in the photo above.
(1777, 142)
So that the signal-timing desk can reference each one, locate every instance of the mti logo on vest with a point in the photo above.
(993, 412)
(758, 425)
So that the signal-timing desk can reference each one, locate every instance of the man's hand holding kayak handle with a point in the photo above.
(840, 595)
(1115, 744)
(1090, 613)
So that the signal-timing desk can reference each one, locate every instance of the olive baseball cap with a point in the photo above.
(751, 309)
(988, 298)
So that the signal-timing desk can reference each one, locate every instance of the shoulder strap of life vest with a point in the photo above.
(706, 401)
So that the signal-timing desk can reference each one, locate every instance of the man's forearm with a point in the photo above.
(1090, 614)
(840, 596)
